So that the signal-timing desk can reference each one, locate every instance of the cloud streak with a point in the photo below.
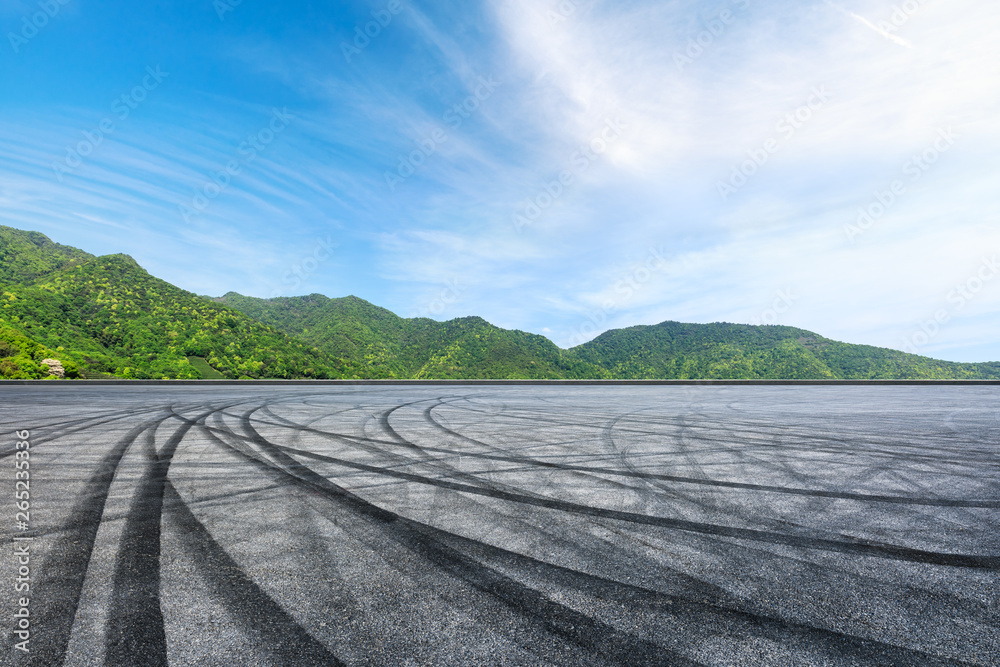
(895, 39)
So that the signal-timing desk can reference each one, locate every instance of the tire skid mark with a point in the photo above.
(901, 553)
(365, 511)
(861, 547)
(286, 642)
(813, 446)
(945, 502)
(742, 511)
(548, 488)
(569, 624)
(698, 610)
(733, 437)
(278, 628)
(915, 657)
(498, 456)
(61, 582)
(436, 463)
(520, 516)
(736, 430)
(850, 446)
(767, 626)
(660, 490)
(383, 420)
(134, 633)
(513, 458)
(44, 436)
(55, 426)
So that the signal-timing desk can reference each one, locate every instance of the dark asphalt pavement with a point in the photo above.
(504, 525)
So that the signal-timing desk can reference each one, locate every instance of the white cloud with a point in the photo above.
(892, 38)
(690, 128)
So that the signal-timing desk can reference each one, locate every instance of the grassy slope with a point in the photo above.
(204, 370)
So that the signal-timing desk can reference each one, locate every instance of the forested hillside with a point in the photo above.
(384, 345)
(672, 350)
(108, 316)
(27, 256)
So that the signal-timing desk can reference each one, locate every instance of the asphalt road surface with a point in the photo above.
(503, 525)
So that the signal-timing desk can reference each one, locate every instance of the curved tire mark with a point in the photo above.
(62, 578)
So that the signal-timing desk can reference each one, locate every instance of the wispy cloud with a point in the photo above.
(895, 39)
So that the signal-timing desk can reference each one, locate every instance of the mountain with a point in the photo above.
(27, 256)
(107, 317)
(671, 350)
(376, 343)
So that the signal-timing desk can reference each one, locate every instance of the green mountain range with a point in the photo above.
(380, 344)
(734, 351)
(107, 317)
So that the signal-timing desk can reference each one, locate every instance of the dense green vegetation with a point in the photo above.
(27, 256)
(672, 350)
(21, 357)
(375, 343)
(107, 317)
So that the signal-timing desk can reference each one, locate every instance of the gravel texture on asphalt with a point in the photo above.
(505, 525)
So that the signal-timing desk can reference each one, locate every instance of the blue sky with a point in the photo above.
(560, 167)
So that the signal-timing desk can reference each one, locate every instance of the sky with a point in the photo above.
(557, 166)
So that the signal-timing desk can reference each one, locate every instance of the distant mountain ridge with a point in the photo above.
(107, 317)
(377, 343)
(672, 350)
